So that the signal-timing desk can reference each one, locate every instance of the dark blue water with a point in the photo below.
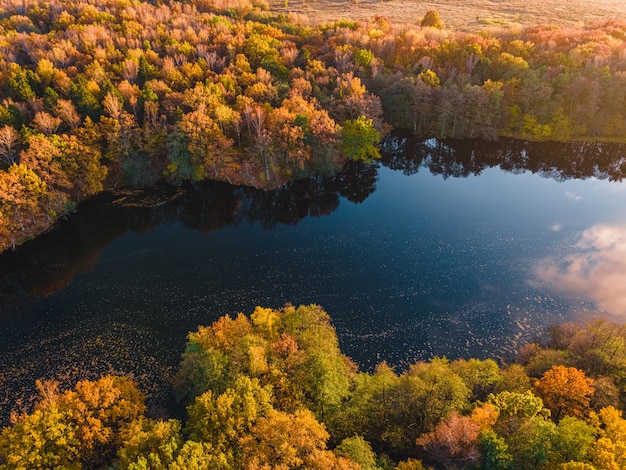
(457, 251)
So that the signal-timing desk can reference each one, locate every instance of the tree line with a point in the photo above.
(93, 97)
(274, 391)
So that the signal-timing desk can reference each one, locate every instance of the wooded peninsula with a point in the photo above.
(95, 96)
(274, 391)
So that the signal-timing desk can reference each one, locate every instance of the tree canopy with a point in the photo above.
(273, 390)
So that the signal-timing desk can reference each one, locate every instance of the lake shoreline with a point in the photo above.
(135, 195)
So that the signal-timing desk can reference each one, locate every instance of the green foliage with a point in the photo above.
(363, 57)
(358, 450)
(495, 452)
(481, 377)
(85, 94)
(293, 349)
(514, 409)
(221, 420)
(513, 379)
(19, 85)
(441, 391)
(531, 444)
(573, 440)
(146, 71)
(359, 138)
(180, 167)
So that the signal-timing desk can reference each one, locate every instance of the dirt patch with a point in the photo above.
(464, 15)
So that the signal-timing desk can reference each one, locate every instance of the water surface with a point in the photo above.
(456, 249)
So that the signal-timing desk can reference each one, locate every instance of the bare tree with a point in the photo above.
(46, 123)
(65, 110)
(9, 145)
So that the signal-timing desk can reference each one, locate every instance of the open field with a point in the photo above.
(463, 15)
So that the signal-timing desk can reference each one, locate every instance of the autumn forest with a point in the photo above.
(98, 95)
(103, 95)
(274, 391)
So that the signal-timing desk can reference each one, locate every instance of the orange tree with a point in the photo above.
(565, 390)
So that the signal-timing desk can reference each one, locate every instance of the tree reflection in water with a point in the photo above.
(50, 262)
(47, 264)
(461, 158)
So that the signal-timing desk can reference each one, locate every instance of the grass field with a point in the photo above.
(463, 15)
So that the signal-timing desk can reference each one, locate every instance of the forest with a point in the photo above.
(118, 93)
(273, 391)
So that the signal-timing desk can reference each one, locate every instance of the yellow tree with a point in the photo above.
(290, 440)
(43, 156)
(21, 191)
(207, 146)
(158, 442)
(222, 420)
(609, 451)
(43, 440)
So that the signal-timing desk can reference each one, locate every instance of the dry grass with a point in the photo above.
(463, 15)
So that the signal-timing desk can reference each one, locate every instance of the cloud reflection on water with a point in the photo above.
(596, 268)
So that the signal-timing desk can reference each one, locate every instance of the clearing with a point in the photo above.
(462, 15)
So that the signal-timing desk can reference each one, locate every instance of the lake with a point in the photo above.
(462, 249)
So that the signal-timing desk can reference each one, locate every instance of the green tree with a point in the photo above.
(481, 377)
(573, 440)
(358, 450)
(532, 443)
(359, 138)
(515, 408)
(325, 375)
(495, 451)
(180, 167)
(443, 391)
(513, 379)
(19, 84)
(368, 410)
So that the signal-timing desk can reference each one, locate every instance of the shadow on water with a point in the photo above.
(50, 262)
